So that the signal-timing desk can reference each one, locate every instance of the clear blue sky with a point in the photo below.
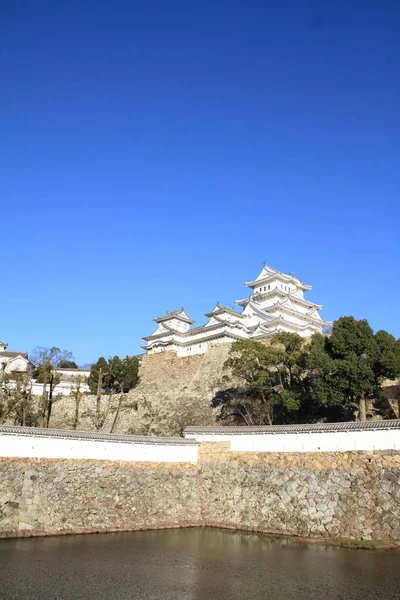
(153, 154)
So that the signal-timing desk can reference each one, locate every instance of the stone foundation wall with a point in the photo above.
(172, 393)
(50, 496)
(341, 494)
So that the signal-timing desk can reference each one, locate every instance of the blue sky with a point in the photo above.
(155, 153)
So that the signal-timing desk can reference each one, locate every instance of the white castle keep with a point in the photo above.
(276, 304)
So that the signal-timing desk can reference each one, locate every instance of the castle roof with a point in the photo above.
(220, 308)
(220, 331)
(195, 330)
(288, 307)
(175, 314)
(267, 273)
(292, 294)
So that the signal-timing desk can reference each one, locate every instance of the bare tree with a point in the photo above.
(188, 412)
(77, 393)
(46, 361)
(98, 420)
(17, 404)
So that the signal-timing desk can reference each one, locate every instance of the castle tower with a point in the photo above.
(277, 303)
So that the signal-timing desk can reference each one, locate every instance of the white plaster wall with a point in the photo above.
(178, 324)
(228, 317)
(274, 283)
(339, 441)
(74, 373)
(195, 348)
(64, 388)
(14, 364)
(42, 447)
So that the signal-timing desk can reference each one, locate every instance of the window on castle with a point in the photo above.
(269, 286)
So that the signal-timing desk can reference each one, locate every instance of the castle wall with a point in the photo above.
(331, 494)
(336, 441)
(173, 392)
(31, 446)
(40, 496)
(339, 494)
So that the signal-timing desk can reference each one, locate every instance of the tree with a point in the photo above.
(114, 376)
(68, 364)
(387, 363)
(328, 378)
(99, 420)
(41, 355)
(271, 380)
(46, 361)
(77, 394)
(328, 396)
(391, 398)
(17, 405)
(118, 376)
(93, 378)
(124, 373)
(348, 368)
(186, 412)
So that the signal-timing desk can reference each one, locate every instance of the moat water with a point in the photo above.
(192, 564)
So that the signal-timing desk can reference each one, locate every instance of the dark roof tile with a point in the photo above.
(93, 436)
(302, 428)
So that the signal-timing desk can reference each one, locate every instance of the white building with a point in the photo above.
(12, 361)
(276, 304)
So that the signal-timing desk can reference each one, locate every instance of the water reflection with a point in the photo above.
(192, 564)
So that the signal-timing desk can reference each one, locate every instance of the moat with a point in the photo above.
(192, 564)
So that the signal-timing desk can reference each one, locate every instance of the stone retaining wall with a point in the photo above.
(52, 496)
(340, 494)
(173, 392)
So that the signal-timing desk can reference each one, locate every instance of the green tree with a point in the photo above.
(115, 376)
(68, 364)
(271, 380)
(118, 375)
(93, 378)
(329, 377)
(387, 363)
(124, 373)
(327, 395)
(347, 369)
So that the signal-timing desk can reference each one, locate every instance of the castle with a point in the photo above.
(275, 304)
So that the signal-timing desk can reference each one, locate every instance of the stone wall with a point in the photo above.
(172, 393)
(52, 496)
(342, 494)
